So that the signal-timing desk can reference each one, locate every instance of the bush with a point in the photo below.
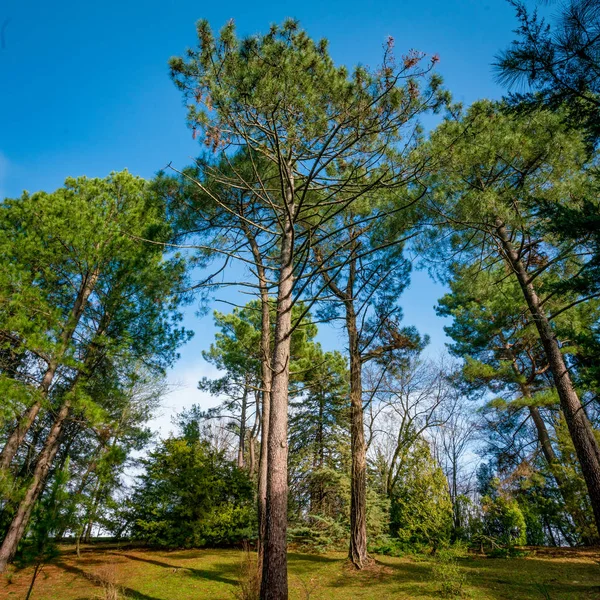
(503, 521)
(388, 546)
(319, 534)
(449, 577)
(189, 496)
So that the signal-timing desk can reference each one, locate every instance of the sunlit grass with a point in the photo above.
(213, 575)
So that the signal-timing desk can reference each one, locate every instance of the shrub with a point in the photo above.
(504, 521)
(449, 577)
(190, 495)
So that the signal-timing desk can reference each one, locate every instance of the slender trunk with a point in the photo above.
(319, 461)
(454, 494)
(21, 518)
(584, 441)
(251, 456)
(544, 440)
(357, 552)
(254, 435)
(90, 470)
(29, 461)
(274, 585)
(266, 380)
(87, 536)
(321, 432)
(571, 505)
(547, 449)
(242, 436)
(27, 419)
(550, 533)
(266, 376)
(36, 572)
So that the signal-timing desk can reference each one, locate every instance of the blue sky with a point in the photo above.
(85, 91)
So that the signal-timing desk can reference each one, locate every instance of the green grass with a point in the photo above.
(213, 575)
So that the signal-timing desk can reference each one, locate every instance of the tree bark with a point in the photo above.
(266, 376)
(357, 552)
(555, 468)
(21, 518)
(274, 585)
(27, 419)
(242, 435)
(254, 434)
(580, 429)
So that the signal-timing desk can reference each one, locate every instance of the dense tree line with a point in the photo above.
(316, 181)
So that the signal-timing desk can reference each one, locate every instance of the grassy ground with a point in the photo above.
(213, 575)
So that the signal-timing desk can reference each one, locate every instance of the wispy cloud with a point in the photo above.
(183, 393)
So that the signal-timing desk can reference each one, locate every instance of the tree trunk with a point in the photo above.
(242, 436)
(274, 584)
(584, 441)
(27, 419)
(357, 552)
(571, 505)
(254, 435)
(21, 518)
(266, 376)
(87, 535)
(317, 491)
(548, 451)
(266, 379)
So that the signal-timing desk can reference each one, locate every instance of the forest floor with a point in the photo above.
(107, 573)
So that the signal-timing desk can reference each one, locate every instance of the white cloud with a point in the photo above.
(184, 392)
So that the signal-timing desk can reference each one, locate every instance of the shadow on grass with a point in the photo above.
(564, 579)
(129, 592)
(218, 574)
(316, 558)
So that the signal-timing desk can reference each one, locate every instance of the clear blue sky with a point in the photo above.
(85, 89)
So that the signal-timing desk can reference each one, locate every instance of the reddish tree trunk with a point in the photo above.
(357, 552)
(21, 518)
(242, 435)
(584, 441)
(266, 376)
(274, 584)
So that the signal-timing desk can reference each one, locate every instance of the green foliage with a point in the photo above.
(287, 78)
(189, 496)
(503, 521)
(319, 533)
(421, 509)
(557, 61)
(448, 574)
